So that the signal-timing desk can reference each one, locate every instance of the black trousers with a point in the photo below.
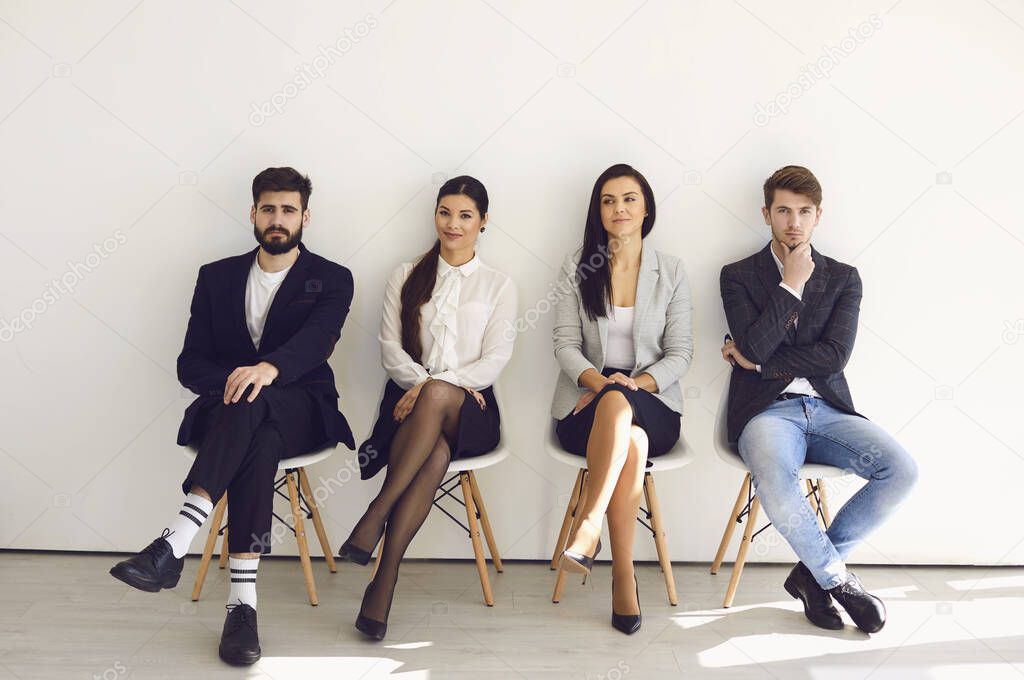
(239, 448)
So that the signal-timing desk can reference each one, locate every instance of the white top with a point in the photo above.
(799, 385)
(467, 328)
(260, 289)
(620, 352)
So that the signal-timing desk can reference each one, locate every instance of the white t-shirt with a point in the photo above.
(620, 352)
(260, 289)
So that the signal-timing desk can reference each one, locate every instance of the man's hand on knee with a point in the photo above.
(259, 376)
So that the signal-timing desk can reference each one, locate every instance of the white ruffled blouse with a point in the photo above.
(467, 328)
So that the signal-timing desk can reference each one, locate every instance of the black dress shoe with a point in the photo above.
(817, 603)
(866, 610)
(371, 628)
(154, 568)
(240, 640)
(627, 623)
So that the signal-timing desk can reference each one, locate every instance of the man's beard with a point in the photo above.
(277, 246)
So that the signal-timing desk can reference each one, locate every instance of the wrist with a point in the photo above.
(795, 285)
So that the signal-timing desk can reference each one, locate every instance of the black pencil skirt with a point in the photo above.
(659, 421)
(479, 429)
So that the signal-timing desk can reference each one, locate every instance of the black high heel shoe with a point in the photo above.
(627, 623)
(578, 562)
(353, 553)
(371, 628)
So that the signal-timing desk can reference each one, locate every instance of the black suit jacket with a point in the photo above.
(762, 319)
(303, 325)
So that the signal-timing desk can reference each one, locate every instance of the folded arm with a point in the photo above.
(757, 333)
(830, 353)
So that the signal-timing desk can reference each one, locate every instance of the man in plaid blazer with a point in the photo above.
(793, 315)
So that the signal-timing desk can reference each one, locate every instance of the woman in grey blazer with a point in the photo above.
(623, 339)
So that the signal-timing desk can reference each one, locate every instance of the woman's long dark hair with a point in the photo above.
(420, 284)
(594, 271)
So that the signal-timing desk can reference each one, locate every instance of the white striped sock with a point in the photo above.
(243, 580)
(187, 522)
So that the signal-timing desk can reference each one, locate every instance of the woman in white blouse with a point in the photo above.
(623, 339)
(444, 339)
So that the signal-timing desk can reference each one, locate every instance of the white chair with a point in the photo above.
(462, 474)
(680, 455)
(303, 502)
(813, 475)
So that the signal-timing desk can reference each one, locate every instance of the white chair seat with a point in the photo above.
(807, 471)
(285, 463)
(479, 462)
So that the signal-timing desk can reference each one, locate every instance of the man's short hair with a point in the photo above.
(282, 179)
(795, 178)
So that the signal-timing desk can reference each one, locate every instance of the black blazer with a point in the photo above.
(762, 316)
(303, 325)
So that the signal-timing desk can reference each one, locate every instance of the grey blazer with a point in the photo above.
(662, 330)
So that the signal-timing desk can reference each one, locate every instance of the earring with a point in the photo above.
(483, 229)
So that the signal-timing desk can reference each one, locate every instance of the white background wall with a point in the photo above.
(130, 140)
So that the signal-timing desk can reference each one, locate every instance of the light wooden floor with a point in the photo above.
(62, 616)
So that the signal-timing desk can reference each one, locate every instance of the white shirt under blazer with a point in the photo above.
(463, 326)
(662, 330)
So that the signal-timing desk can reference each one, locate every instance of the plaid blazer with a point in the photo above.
(762, 318)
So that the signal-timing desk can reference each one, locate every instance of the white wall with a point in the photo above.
(135, 123)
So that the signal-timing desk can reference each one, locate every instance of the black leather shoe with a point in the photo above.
(817, 603)
(866, 610)
(627, 623)
(240, 640)
(371, 628)
(154, 568)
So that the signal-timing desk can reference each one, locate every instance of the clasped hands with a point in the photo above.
(404, 406)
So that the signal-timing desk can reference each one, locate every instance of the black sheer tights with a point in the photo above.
(418, 459)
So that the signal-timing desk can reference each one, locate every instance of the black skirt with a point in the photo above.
(479, 429)
(659, 421)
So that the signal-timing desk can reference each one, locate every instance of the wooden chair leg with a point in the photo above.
(827, 514)
(211, 542)
(659, 537)
(376, 562)
(730, 526)
(741, 554)
(485, 523)
(570, 509)
(474, 534)
(318, 524)
(812, 498)
(300, 538)
(560, 579)
(223, 550)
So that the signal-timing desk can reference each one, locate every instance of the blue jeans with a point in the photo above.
(777, 441)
